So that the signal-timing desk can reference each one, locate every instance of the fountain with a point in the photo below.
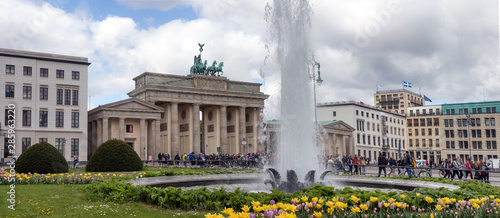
(289, 23)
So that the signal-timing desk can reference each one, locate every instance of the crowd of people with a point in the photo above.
(449, 168)
(225, 160)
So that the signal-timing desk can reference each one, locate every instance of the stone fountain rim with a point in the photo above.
(192, 180)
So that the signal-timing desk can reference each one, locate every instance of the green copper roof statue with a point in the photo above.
(202, 69)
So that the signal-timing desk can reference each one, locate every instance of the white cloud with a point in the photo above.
(448, 48)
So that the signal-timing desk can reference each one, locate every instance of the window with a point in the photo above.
(43, 118)
(411, 142)
(478, 122)
(488, 110)
(44, 93)
(335, 113)
(9, 91)
(27, 71)
(478, 133)
(43, 140)
(429, 131)
(423, 132)
(75, 119)
(59, 73)
(493, 110)
(75, 146)
(75, 97)
(452, 144)
(473, 133)
(67, 96)
(451, 122)
(59, 118)
(60, 144)
(75, 75)
(492, 121)
(452, 134)
(494, 145)
(479, 110)
(10, 69)
(27, 92)
(488, 134)
(430, 142)
(359, 139)
(408, 122)
(423, 142)
(357, 112)
(26, 143)
(436, 121)
(436, 131)
(417, 144)
(416, 132)
(466, 110)
(486, 121)
(446, 123)
(26, 117)
(130, 129)
(459, 122)
(452, 111)
(437, 143)
(488, 145)
(59, 99)
(44, 72)
(480, 145)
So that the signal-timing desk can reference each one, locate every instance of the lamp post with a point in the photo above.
(468, 132)
(3, 149)
(319, 81)
(243, 144)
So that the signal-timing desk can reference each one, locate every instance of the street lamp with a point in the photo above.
(3, 149)
(243, 143)
(319, 81)
(468, 131)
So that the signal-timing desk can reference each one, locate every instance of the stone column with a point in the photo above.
(196, 128)
(175, 129)
(143, 137)
(94, 136)
(121, 129)
(151, 141)
(157, 136)
(223, 129)
(260, 130)
(99, 132)
(243, 129)
(105, 130)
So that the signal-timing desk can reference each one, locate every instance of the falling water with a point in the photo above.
(289, 22)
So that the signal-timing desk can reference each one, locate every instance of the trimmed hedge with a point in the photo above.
(42, 158)
(114, 156)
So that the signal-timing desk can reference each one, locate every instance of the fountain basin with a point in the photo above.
(254, 182)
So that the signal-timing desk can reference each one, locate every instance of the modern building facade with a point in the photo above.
(470, 129)
(397, 100)
(424, 133)
(375, 130)
(49, 95)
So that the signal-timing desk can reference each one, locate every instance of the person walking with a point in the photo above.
(408, 162)
(382, 162)
(461, 166)
(468, 169)
(355, 161)
(486, 173)
(392, 164)
(456, 167)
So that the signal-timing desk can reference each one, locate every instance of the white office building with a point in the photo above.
(48, 93)
(376, 130)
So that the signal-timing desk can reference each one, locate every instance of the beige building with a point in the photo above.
(397, 100)
(335, 137)
(48, 93)
(194, 113)
(470, 129)
(424, 133)
(376, 130)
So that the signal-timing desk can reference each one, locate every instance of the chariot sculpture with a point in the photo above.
(200, 68)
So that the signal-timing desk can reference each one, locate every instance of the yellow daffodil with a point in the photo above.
(363, 207)
(392, 200)
(255, 203)
(387, 204)
(317, 214)
(315, 199)
(354, 198)
(402, 196)
(245, 208)
(321, 201)
(418, 194)
(304, 199)
(228, 211)
(373, 199)
(439, 208)
(355, 210)
(492, 197)
(429, 199)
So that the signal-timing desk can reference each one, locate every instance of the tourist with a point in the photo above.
(486, 174)
(177, 158)
(392, 164)
(461, 165)
(382, 162)
(407, 161)
(468, 169)
(455, 167)
(363, 164)
(75, 162)
(355, 161)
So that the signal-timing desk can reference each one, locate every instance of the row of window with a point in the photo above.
(373, 115)
(59, 144)
(423, 122)
(429, 132)
(474, 111)
(363, 139)
(424, 112)
(488, 121)
(424, 144)
(44, 72)
(43, 118)
(67, 96)
(475, 145)
(475, 133)
(360, 126)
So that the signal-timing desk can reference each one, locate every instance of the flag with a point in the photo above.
(427, 99)
(379, 86)
(406, 84)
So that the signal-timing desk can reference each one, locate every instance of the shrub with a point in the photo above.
(41, 158)
(114, 155)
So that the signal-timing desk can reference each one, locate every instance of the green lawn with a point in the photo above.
(70, 201)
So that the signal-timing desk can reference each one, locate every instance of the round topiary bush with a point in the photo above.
(41, 158)
(114, 155)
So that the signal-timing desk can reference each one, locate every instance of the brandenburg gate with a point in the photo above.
(231, 113)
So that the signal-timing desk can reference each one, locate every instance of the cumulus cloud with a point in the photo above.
(447, 48)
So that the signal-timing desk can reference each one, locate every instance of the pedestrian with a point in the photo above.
(486, 174)
(468, 169)
(382, 162)
(75, 162)
(407, 162)
(392, 164)
(456, 167)
(355, 161)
